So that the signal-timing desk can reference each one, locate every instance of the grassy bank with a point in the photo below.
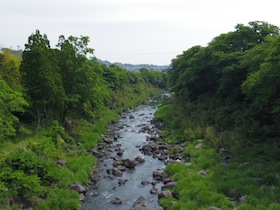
(244, 176)
(32, 173)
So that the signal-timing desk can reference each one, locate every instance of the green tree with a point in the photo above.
(10, 101)
(262, 85)
(9, 68)
(82, 81)
(41, 77)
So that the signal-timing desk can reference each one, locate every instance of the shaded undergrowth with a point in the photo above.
(244, 174)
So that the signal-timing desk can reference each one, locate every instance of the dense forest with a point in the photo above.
(226, 115)
(54, 104)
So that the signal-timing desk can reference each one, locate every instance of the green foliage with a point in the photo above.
(18, 183)
(31, 164)
(9, 68)
(232, 81)
(44, 147)
(194, 191)
(226, 94)
(10, 101)
(60, 199)
(261, 86)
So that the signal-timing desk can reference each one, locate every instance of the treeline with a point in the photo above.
(235, 79)
(225, 121)
(53, 84)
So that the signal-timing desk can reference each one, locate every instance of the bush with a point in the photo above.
(60, 199)
(19, 184)
(31, 164)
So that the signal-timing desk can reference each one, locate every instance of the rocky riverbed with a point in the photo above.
(132, 158)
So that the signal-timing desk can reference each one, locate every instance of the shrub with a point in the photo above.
(31, 164)
(60, 199)
(17, 183)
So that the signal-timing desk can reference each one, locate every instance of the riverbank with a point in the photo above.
(216, 177)
(59, 158)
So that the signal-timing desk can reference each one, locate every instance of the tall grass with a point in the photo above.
(248, 180)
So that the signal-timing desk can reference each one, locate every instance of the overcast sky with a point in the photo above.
(131, 31)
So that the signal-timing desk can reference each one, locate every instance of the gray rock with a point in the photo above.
(174, 161)
(120, 151)
(169, 185)
(61, 162)
(117, 172)
(154, 190)
(77, 187)
(139, 204)
(147, 149)
(122, 182)
(111, 177)
(96, 153)
(140, 159)
(167, 180)
(121, 167)
(145, 182)
(137, 207)
(165, 194)
(82, 197)
(116, 201)
(158, 175)
(242, 199)
(94, 194)
(198, 146)
(108, 141)
(202, 173)
(129, 163)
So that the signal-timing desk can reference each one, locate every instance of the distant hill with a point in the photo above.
(14, 52)
(131, 67)
(135, 67)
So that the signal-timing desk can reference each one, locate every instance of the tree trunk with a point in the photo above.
(38, 121)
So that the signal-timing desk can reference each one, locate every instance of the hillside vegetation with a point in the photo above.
(227, 101)
(54, 104)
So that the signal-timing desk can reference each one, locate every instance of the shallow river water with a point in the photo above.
(130, 140)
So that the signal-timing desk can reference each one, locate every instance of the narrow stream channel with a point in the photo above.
(109, 188)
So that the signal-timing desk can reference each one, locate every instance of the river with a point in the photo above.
(130, 139)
